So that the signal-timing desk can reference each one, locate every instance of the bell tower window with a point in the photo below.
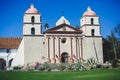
(32, 31)
(93, 32)
(32, 19)
(92, 21)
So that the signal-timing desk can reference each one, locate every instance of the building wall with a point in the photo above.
(34, 49)
(56, 47)
(64, 47)
(18, 59)
(7, 58)
(91, 46)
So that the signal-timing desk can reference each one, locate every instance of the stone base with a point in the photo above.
(53, 61)
(48, 60)
(70, 60)
(76, 59)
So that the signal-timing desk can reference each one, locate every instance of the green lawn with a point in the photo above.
(105, 74)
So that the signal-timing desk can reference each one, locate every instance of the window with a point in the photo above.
(32, 31)
(64, 28)
(8, 51)
(93, 32)
(92, 21)
(32, 19)
(43, 42)
(63, 40)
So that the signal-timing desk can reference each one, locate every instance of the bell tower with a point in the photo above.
(32, 22)
(92, 42)
(90, 23)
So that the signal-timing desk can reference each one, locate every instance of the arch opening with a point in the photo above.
(2, 64)
(64, 57)
(32, 31)
(93, 32)
(10, 62)
(92, 21)
(32, 19)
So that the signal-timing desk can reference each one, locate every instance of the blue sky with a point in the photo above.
(12, 11)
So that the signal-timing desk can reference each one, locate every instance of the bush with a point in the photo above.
(49, 69)
(44, 66)
(61, 66)
(17, 68)
(41, 67)
(78, 65)
(70, 66)
(91, 63)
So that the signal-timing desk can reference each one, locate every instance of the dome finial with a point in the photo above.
(32, 10)
(89, 12)
(89, 8)
(32, 5)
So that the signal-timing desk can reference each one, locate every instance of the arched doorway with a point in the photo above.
(2, 64)
(64, 57)
(10, 62)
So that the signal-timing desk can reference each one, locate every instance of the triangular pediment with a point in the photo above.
(62, 20)
(63, 28)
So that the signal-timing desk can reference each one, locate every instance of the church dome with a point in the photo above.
(32, 10)
(89, 12)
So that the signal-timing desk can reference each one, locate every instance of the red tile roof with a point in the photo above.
(10, 43)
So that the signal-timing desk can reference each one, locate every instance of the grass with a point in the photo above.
(104, 74)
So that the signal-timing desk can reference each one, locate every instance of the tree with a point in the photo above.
(112, 45)
(77, 27)
(46, 26)
(107, 50)
(117, 30)
(112, 39)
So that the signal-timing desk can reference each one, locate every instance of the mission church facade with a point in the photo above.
(62, 43)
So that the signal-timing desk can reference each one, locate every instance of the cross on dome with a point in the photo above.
(32, 6)
(89, 8)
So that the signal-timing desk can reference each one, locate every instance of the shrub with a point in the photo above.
(45, 66)
(61, 66)
(41, 67)
(78, 65)
(91, 63)
(70, 66)
(17, 68)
